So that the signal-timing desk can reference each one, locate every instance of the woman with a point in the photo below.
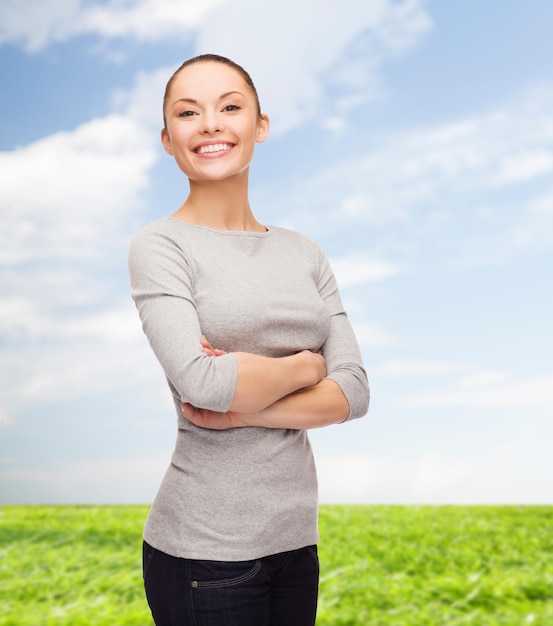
(247, 323)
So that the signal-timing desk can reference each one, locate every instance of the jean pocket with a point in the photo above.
(220, 574)
(312, 550)
(147, 557)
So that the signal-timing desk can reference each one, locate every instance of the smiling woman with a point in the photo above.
(247, 323)
(206, 120)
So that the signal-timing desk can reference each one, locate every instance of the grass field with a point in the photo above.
(380, 566)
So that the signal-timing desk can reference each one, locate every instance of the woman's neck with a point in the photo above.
(219, 204)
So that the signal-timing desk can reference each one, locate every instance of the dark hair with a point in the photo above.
(202, 58)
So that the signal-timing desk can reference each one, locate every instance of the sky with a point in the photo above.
(412, 139)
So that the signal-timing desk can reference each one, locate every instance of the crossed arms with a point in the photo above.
(287, 392)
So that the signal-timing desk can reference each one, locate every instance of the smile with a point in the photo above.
(216, 147)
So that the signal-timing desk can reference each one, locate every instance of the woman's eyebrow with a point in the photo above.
(229, 93)
(221, 97)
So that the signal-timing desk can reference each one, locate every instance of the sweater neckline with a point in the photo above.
(223, 231)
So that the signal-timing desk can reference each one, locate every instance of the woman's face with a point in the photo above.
(212, 122)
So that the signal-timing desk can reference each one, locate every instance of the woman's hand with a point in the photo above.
(208, 349)
(315, 366)
(203, 417)
(211, 419)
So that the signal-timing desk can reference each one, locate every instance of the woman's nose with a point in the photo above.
(211, 124)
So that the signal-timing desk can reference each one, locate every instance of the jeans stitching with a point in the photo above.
(230, 581)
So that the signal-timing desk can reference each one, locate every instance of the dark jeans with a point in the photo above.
(277, 590)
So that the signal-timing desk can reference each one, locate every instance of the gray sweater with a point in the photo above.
(242, 493)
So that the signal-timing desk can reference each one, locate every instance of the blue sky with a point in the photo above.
(413, 140)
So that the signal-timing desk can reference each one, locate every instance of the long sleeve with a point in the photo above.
(341, 350)
(162, 280)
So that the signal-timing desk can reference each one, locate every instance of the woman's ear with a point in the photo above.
(263, 125)
(166, 141)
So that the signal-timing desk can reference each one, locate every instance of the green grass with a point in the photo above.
(380, 566)
(437, 566)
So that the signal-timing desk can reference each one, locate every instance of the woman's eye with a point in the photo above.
(187, 113)
(231, 107)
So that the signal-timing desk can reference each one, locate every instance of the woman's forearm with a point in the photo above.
(262, 381)
(320, 405)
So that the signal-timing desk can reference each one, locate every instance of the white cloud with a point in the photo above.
(416, 368)
(343, 46)
(61, 236)
(41, 22)
(18, 316)
(30, 318)
(483, 380)
(85, 184)
(143, 103)
(57, 371)
(335, 124)
(542, 205)
(67, 336)
(527, 165)
(36, 23)
(357, 269)
(395, 27)
(479, 153)
(127, 481)
(403, 24)
(348, 478)
(289, 62)
(117, 325)
(447, 189)
(502, 477)
(369, 335)
(388, 479)
(145, 20)
(489, 392)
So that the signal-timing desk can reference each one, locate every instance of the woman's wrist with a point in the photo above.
(310, 368)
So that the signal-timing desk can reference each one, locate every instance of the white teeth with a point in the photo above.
(216, 147)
